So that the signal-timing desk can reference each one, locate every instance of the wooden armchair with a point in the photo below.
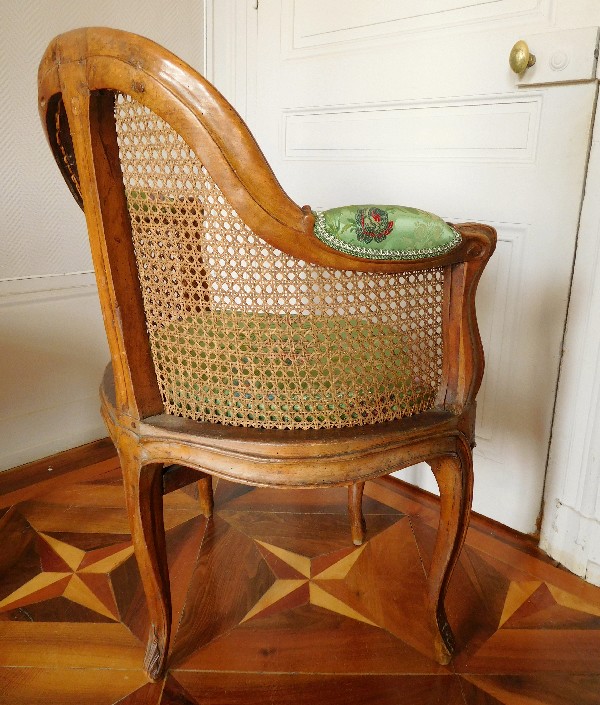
(252, 339)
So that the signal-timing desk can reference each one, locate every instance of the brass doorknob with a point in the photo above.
(520, 58)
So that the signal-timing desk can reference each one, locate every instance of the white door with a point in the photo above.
(413, 102)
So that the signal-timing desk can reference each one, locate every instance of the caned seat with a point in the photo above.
(252, 339)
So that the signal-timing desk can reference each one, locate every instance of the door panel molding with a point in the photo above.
(306, 29)
(501, 129)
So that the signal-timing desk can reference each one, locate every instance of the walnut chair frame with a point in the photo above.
(78, 77)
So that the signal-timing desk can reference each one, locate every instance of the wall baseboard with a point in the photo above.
(84, 462)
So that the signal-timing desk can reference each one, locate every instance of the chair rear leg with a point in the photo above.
(454, 476)
(357, 521)
(144, 499)
(205, 496)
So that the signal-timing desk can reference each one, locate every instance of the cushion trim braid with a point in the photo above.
(412, 234)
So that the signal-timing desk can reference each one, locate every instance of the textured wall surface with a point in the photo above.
(52, 347)
(41, 230)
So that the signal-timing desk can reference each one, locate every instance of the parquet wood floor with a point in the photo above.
(275, 605)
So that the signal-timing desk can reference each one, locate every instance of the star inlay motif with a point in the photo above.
(302, 580)
(526, 601)
(83, 577)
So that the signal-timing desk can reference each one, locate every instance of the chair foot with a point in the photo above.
(205, 496)
(358, 525)
(443, 642)
(155, 657)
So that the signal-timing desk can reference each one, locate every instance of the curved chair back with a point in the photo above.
(221, 303)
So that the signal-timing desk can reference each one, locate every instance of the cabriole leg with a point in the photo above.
(144, 498)
(205, 496)
(454, 476)
(357, 520)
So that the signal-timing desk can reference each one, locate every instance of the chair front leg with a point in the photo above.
(454, 476)
(357, 520)
(144, 499)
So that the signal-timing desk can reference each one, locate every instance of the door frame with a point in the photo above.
(570, 530)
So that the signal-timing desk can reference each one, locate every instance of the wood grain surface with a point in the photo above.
(273, 603)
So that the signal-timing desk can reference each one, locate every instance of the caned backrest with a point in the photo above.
(220, 303)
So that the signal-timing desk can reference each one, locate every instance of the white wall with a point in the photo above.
(571, 527)
(52, 346)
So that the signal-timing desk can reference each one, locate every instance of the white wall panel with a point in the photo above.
(52, 355)
(52, 349)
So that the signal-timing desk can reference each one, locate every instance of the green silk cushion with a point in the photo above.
(385, 232)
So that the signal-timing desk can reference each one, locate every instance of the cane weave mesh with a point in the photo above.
(242, 333)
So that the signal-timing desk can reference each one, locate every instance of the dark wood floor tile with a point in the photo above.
(388, 493)
(230, 577)
(536, 689)
(19, 557)
(289, 598)
(101, 588)
(148, 694)
(333, 500)
(183, 546)
(300, 689)
(49, 686)
(129, 597)
(476, 600)
(475, 695)
(225, 491)
(309, 639)
(49, 559)
(516, 651)
(175, 694)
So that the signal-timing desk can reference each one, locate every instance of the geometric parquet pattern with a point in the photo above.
(275, 605)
